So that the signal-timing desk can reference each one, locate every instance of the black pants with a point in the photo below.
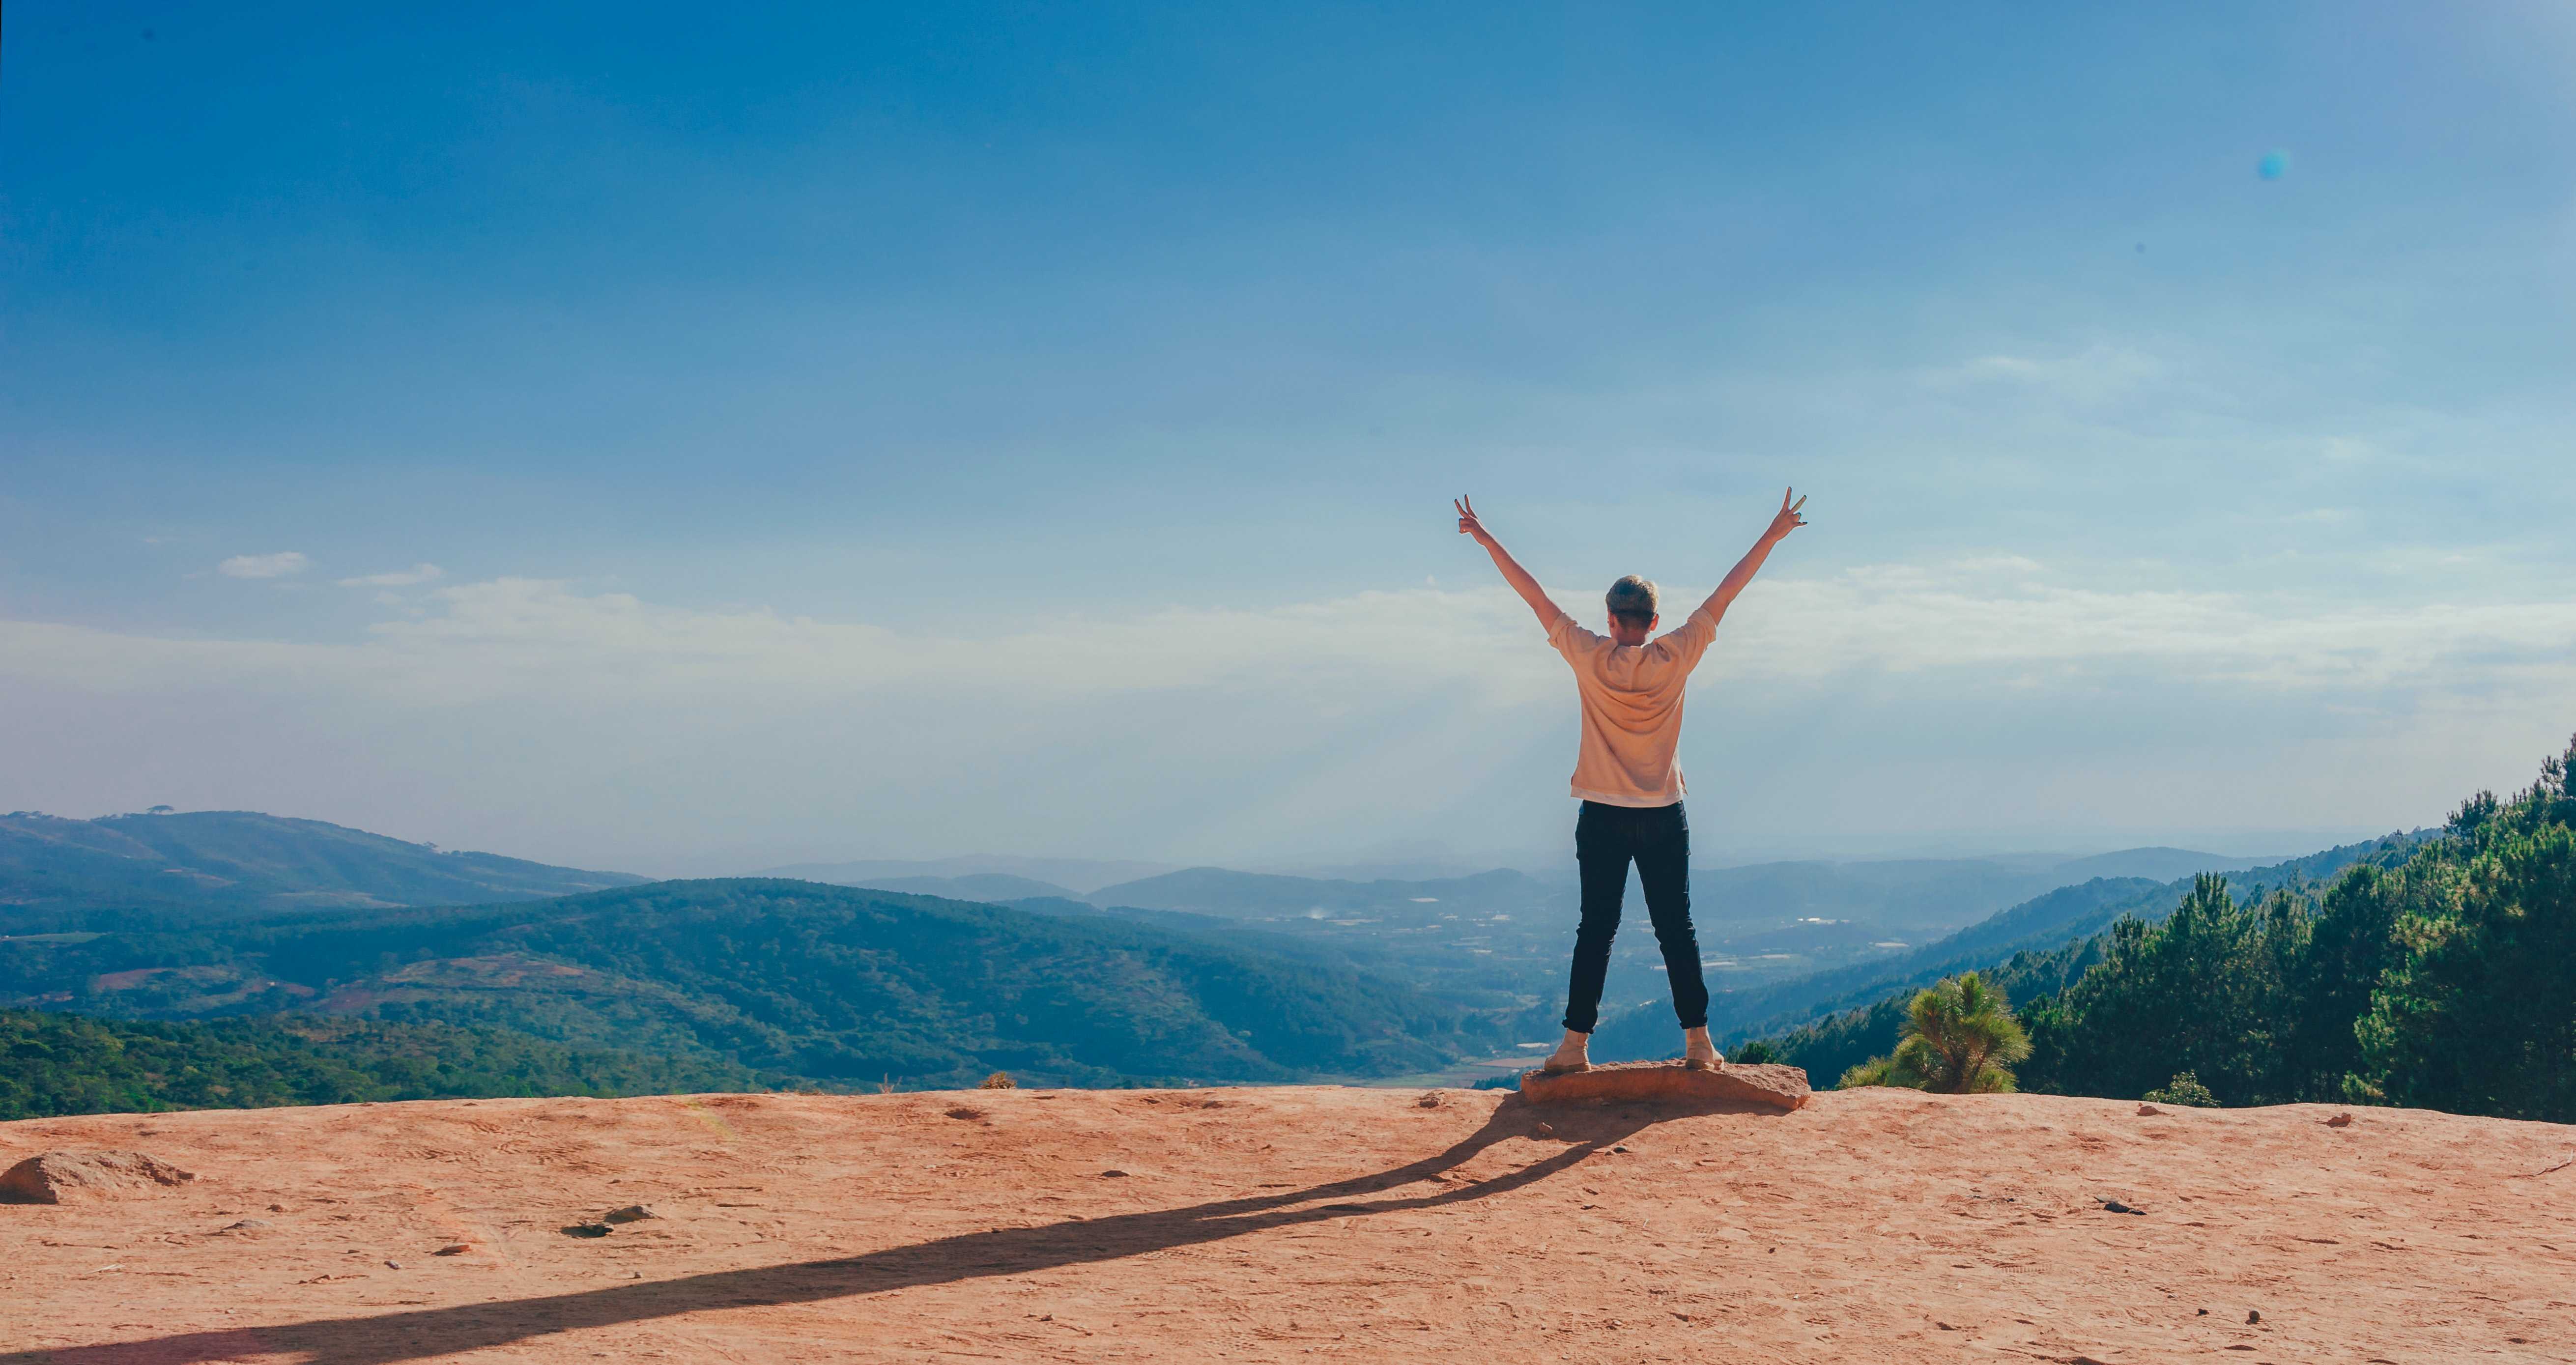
(1606, 838)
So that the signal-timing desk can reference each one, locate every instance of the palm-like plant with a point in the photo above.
(1959, 1038)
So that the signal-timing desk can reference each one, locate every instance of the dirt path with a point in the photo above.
(1297, 1223)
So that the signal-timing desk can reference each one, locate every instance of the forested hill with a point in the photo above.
(793, 979)
(130, 871)
(2437, 972)
(71, 1064)
(2040, 927)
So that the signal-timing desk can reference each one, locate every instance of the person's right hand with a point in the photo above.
(1788, 519)
(1467, 523)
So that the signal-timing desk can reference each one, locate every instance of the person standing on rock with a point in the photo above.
(1628, 780)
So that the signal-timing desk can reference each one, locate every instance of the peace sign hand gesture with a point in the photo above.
(1781, 525)
(1468, 525)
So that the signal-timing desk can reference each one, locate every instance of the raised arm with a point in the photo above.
(1513, 573)
(1781, 525)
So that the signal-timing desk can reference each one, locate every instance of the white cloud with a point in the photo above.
(1898, 695)
(399, 578)
(283, 564)
(2094, 374)
(1972, 618)
(1902, 620)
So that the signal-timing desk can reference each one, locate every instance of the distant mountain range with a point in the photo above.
(1897, 895)
(991, 888)
(1258, 895)
(1064, 876)
(211, 866)
(1911, 895)
(1907, 896)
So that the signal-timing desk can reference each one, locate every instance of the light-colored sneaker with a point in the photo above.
(1698, 1053)
(1573, 1054)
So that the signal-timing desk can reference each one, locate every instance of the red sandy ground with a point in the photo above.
(1295, 1223)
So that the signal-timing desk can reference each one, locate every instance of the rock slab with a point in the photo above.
(57, 1177)
(1775, 1087)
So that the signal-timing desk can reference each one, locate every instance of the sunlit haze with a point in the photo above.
(689, 440)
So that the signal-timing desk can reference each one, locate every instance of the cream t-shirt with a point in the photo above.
(1632, 709)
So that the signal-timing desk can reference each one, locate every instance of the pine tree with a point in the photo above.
(2477, 1013)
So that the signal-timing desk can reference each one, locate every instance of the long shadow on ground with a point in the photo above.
(389, 1337)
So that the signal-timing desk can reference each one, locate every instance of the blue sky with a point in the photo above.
(909, 431)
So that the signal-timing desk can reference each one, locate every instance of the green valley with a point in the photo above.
(804, 982)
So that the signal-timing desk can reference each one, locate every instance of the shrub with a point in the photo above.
(999, 1080)
(1875, 1071)
(1959, 1038)
(2184, 1088)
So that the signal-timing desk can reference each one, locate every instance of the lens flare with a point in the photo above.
(2273, 166)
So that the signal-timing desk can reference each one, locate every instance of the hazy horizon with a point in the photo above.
(1417, 862)
(688, 441)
